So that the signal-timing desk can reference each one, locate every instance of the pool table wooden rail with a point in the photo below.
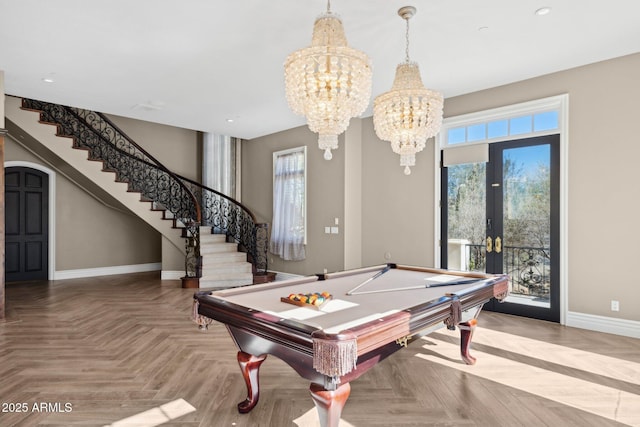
(299, 337)
(258, 333)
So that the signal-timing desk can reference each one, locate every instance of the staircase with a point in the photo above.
(185, 212)
(222, 263)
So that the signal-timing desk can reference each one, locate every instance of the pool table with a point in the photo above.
(372, 313)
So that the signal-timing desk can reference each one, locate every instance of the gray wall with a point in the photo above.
(177, 148)
(604, 148)
(397, 211)
(116, 237)
(325, 196)
(1, 99)
(88, 233)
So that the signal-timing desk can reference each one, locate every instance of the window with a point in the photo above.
(288, 229)
(528, 119)
(498, 129)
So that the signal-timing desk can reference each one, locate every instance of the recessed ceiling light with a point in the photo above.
(543, 11)
(48, 80)
(229, 120)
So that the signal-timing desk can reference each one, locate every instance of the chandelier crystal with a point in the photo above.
(328, 82)
(409, 114)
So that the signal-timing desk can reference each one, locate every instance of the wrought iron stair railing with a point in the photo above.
(182, 197)
(228, 216)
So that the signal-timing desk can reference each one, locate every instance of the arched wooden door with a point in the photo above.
(26, 224)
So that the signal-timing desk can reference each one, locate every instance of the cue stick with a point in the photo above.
(375, 276)
(428, 285)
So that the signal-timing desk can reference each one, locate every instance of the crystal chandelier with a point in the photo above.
(328, 82)
(409, 113)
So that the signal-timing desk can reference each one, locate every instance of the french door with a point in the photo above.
(503, 217)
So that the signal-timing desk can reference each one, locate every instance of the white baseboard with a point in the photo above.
(610, 325)
(106, 271)
(171, 275)
(285, 276)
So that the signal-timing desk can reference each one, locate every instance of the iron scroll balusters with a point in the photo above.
(228, 216)
(528, 268)
(190, 203)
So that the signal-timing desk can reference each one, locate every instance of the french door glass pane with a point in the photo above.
(467, 217)
(526, 224)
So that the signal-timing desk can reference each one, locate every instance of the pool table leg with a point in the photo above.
(466, 333)
(330, 403)
(250, 366)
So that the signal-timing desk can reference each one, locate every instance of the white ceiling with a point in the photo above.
(197, 63)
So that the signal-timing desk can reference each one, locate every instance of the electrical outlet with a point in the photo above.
(615, 305)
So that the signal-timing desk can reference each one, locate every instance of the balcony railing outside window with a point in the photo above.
(528, 268)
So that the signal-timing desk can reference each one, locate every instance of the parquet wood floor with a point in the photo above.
(122, 351)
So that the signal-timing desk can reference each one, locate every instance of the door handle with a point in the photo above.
(489, 244)
(498, 245)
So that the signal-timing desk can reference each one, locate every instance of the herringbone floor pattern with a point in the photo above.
(95, 352)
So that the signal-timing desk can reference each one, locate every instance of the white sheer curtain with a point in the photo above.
(288, 227)
(219, 163)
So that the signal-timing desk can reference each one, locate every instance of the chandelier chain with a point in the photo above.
(409, 114)
(406, 51)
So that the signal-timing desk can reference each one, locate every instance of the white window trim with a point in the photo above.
(277, 154)
(559, 103)
(554, 103)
